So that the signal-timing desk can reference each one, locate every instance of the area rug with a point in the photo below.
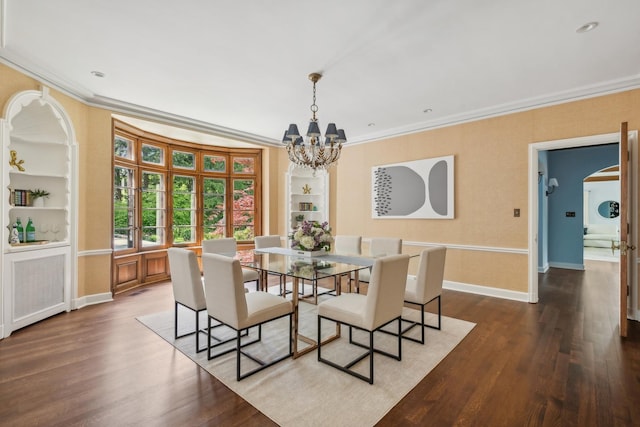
(303, 391)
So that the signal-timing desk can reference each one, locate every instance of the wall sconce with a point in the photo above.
(553, 184)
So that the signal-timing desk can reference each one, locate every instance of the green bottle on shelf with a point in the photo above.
(20, 230)
(30, 231)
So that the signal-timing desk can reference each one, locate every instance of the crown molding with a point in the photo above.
(89, 98)
(584, 92)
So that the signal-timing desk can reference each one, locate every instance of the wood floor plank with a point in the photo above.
(556, 363)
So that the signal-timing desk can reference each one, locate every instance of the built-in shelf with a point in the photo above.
(39, 153)
(299, 180)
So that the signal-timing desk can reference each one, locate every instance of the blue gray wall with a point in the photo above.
(570, 167)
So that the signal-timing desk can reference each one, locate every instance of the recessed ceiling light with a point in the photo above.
(427, 110)
(587, 27)
(371, 125)
(98, 73)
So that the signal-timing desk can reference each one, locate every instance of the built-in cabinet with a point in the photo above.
(39, 153)
(307, 195)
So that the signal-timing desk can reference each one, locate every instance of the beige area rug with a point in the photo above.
(305, 392)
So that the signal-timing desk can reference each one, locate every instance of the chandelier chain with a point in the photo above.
(314, 106)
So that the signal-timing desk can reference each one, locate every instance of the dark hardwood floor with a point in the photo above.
(559, 362)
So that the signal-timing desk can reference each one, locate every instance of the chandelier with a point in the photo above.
(315, 152)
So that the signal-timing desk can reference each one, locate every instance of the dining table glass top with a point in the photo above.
(310, 268)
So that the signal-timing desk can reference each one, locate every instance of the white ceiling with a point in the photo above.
(239, 68)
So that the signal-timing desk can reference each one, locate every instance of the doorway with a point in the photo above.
(533, 193)
(601, 214)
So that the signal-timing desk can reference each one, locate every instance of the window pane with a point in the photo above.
(122, 238)
(154, 209)
(182, 234)
(215, 163)
(123, 147)
(243, 233)
(243, 165)
(213, 202)
(123, 208)
(152, 154)
(152, 236)
(184, 160)
(184, 209)
(243, 209)
(123, 177)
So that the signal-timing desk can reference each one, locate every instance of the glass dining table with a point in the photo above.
(289, 264)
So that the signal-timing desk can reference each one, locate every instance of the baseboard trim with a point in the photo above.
(91, 300)
(568, 266)
(486, 290)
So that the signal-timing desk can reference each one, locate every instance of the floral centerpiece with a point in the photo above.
(312, 236)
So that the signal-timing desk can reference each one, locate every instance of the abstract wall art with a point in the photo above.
(416, 189)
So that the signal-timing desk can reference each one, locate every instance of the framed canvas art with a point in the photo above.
(416, 189)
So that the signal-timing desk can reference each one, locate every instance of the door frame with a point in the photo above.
(584, 141)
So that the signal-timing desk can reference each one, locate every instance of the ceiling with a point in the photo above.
(238, 69)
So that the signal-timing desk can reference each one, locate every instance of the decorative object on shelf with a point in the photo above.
(299, 219)
(38, 196)
(20, 197)
(305, 206)
(316, 153)
(14, 237)
(13, 161)
(306, 189)
(312, 236)
(55, 229)
(30, 232)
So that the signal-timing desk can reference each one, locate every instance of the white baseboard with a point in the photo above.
(544, 268)
(486, 290)
(91, 299)
(567, 265)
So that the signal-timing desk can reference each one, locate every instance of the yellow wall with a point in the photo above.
(491, 159)
(491, 179)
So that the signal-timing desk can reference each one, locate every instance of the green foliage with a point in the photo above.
(39, 193)
(122, 147)
(183, 160)
(151, 154)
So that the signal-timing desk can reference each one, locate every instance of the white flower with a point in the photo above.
(307, 242)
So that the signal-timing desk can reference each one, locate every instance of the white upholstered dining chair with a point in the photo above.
(188, 290)
(228, 304)
(346, 245)
(273, 241)
(381, 306)
(379, 247)
(227, 246)
(425, 287)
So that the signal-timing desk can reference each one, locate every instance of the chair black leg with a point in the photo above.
(400, 338)
(422, 323)
(439, 312)
(370, 349)
(238, 350)
(175, 320)
(371, 357)
(319, 341)
(198, 332)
